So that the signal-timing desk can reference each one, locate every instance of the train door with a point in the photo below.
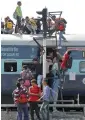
(75, 77)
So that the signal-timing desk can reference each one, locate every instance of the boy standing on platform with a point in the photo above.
(34, 93)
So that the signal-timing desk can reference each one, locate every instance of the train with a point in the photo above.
(19, 50)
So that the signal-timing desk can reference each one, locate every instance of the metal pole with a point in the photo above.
(44, 58)
(44, 40)
(56, 39)
(78, 99)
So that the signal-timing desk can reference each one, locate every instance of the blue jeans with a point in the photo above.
(56, 83)
(44, 110)
(39, 80)
(56, 88)
(22, 108)
(19, 22)
(61, 37)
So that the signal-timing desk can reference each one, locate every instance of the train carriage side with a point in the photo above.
(21, 50)
(14, 53)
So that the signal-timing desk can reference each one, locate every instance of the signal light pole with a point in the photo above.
(45, 29)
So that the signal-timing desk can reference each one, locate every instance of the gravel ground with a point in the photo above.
(12, 116)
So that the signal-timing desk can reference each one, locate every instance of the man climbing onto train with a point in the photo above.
(66, 61)
(60, 26)
(20, 96)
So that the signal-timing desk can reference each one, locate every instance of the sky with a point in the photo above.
(73, 11)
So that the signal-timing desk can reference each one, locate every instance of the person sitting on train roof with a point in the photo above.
(38, 23)
(2, 27)
(8, 26)
(27, 27)
(33, 25)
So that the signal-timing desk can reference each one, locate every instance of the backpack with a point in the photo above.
(61, 27)
(53, 95)
(15, 15)
(69, 63)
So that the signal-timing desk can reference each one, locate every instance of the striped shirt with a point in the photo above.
(17, 92)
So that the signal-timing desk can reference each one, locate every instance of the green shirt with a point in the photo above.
(55, 66)
(19, 11)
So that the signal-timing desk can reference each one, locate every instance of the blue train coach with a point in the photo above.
(16, 51)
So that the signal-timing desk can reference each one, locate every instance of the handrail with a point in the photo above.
(56, 105)
(64, 101)
(7, 106)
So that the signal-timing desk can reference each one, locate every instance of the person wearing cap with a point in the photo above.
(34, 93)
(8, 26)
(20, 96)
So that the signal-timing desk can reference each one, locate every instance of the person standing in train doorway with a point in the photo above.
(38, 69)
(20, 96)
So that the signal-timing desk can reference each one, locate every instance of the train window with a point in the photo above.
(10, 66)
(30, 65)
(82, 66)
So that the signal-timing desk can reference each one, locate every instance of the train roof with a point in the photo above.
(14, 39)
